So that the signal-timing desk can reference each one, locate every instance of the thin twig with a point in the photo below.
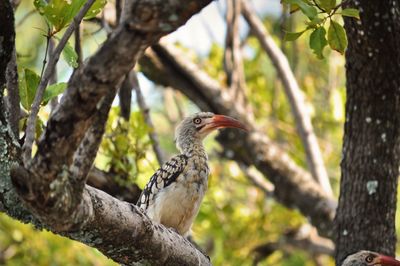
(31, 124)
(295, 96)
(118, 11)
(53, 78)
(177, 97)
(233, 63)
(46, 52)
(258, 180)
(125, 98)
(125, 90)
(146, 114)
(78, 44)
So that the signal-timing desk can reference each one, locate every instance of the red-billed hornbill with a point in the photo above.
(369, 258)
(174, 193)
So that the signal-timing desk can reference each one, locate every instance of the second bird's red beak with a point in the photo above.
(387, 261)
(221, 121)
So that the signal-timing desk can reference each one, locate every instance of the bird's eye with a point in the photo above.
(369, 258)
(197, 121)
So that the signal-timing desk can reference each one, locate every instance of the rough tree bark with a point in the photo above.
(52, 191)
(370, 166)
(7, 36)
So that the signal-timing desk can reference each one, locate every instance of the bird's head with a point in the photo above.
(369, 258)
(199, 125)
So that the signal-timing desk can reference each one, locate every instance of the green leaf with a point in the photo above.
(95, 9)
(40, 5)
(351, 12)
(337, 37)
(294, 8)
(291, 36)
(318, 41)
(70, 56)
(28, 83)
(308, 10)
(314, 23)
(39, 127)
(53, 91)
(59, 13)
(327, 5)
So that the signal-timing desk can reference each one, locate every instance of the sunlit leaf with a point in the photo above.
(318, 41)
(327, 5)
(291, 36)
(351, 12)
(314, 23)
(28, 83)
(70, 56)
(95, 9)
(40, 5)
(337, 37)
(59, 13)
(53, 91)
(39, 127)
(294, 8)
(308, 10)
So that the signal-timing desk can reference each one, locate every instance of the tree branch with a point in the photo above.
(258, 180)
(53, 77)
(294, 187)
(67, 126)
(147, 118)
(304, 238)
(295, 96)
(233, 63)
(78, 44)
(125, 97)
(87, 150)
(13, 99)
(48, 187)
(106, 182)
(7, 43)
(31, 123)
(119, 230)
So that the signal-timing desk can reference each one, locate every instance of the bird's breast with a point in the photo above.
(177, 205)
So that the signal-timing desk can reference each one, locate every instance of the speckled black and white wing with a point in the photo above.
(164, 176)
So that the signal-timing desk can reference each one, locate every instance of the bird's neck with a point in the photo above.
(193, 148)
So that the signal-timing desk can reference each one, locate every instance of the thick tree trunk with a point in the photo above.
(365, 217)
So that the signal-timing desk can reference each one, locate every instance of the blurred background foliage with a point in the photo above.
(235, 216)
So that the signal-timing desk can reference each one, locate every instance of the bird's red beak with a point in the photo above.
(221, 121)
(387, 261)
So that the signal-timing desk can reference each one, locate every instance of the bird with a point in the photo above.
(369, 258)
(173, 195)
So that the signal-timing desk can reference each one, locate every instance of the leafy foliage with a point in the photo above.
(318, 13)
(124, 148)
(70, 56)
(337, 37)
(53, 91)
(28, 82)
(21, 244)
(59, 13)
(318, 41)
